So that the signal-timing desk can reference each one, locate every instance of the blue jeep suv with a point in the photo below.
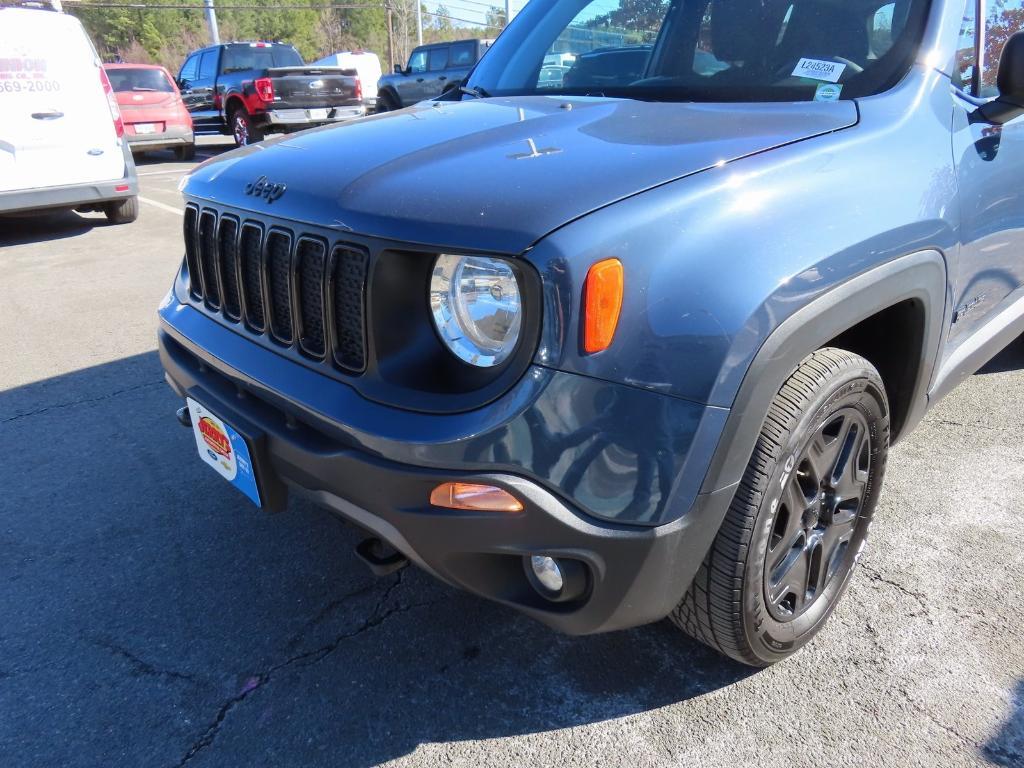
(614, 351)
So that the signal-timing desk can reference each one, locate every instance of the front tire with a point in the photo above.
(185, 153)
(386, 103)
(122, 211)
(800, 518)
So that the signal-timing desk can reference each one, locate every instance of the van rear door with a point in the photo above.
(57, 127)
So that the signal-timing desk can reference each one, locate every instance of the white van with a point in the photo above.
(366, 65)
(61, 138)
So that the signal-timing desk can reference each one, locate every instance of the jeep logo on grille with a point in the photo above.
(266, 189)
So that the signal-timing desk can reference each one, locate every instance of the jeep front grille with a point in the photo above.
(286, 285)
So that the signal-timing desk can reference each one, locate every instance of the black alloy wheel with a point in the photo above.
(787, 548)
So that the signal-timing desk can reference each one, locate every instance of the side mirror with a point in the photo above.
(399, 69)
(1010, 82)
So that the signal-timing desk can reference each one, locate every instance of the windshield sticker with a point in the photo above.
(815, 69)
(828, 92)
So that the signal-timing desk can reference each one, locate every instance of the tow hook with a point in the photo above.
(382, 559)
(184, 417)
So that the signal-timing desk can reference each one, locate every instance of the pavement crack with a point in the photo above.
(921, 710)
(138, 664)
(962, 425)
(208, 736)
(82, 401)
(326, 611)
(378, 616)
(877, 577)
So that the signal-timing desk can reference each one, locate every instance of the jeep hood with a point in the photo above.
(498, 174)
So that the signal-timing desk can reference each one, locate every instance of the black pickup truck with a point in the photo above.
(249, 89)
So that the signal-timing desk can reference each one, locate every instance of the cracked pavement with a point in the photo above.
(150, 617)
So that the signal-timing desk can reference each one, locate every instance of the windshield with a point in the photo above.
(123, 80)
(705, 50)
(245, 56)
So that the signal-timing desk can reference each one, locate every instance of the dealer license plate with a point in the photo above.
(224, 449)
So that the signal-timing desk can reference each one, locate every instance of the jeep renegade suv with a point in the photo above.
(611, 351)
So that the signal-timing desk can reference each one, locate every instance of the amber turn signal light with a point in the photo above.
(478, 498)
(602, 303)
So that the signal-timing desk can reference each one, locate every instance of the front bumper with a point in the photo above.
(173, 137)
(382, 481)
(311, 117)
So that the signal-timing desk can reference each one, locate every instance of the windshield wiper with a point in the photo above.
(476, 93)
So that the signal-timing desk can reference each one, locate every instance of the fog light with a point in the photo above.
(478, 498)
(548, 573)
(558, 579)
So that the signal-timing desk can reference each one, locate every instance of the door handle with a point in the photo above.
(419, 79)
(442, 77)
(51, 115)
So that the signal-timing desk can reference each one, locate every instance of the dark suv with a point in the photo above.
(611, 351)
(432, 70)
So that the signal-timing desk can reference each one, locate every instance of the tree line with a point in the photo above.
(166, 36)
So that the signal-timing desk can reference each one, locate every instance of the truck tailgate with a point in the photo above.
(308, 87)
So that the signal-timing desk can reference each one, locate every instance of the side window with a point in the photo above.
(1004, 19)
(208, 65)
(438, 59)
(965, 68)
(418, 62)
(882, 31)
(463, 55)
(189, 69)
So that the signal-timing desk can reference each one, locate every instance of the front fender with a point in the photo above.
(717, 260)
(920, 277)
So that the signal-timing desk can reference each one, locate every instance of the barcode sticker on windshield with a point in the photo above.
(815, 69)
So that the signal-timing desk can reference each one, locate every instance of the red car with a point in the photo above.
(154, 114)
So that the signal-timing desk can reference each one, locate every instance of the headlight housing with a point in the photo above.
(476, 302)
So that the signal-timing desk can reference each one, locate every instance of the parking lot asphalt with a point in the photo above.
(149, 616)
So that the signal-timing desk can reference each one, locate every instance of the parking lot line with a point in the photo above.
(165, 173)
(164, 206)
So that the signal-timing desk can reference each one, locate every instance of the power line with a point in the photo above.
(81, 5)
(251, 7)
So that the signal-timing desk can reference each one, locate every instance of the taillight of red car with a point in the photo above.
(115, 111)
(264, 89)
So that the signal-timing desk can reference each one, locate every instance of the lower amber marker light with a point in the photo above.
(478, 498)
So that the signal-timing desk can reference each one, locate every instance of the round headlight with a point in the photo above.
(477, 308)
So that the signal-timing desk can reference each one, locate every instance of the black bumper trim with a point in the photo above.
(637, 575)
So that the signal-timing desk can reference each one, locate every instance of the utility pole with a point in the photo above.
(419, 23)
(508, 12)
(391, 39)
(211, 22)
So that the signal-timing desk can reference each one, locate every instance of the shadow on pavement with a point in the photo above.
(1010, 359)
(152, 616)
(37, 228)
(1006, 747)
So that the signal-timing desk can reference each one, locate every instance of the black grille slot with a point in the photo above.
(208, 257)
(249, 251)
(279, 267)
(296, 291)
(192, 251)
(348, 308)
(309, 267)
(227, 238)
